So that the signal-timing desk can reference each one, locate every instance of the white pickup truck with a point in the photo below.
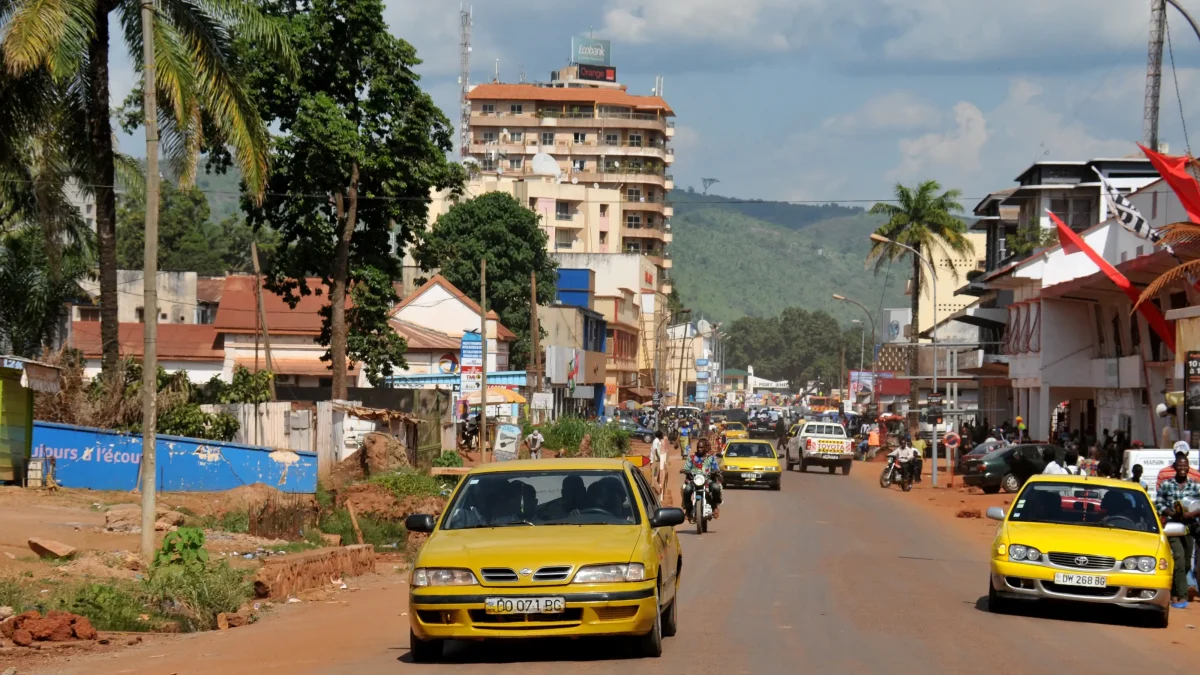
(820, 444)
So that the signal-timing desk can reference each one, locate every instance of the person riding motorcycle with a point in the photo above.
(702, 463)
(906, 455)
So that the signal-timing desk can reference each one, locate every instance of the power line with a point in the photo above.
(1175, 76)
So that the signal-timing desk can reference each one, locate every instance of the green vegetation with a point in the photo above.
(184, 546)
(375, 531)
(409, 484)
(566, 433)
(729, 264)
(448, 458)
(797, 345)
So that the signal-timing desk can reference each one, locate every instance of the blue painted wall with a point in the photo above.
(98, 459)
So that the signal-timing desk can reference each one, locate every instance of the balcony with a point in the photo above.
(669, 182)
(619, 175)
(502, 119)
(644, 233)
(670, 156)
(657, 150)
(480, 147)
(572, 220)
(648, 204)
(607, 120)
(622, 365)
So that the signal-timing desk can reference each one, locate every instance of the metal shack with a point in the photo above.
(19, 378)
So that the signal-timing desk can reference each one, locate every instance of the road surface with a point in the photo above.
(832, 574)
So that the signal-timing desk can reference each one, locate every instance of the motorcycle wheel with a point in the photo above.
(706, 524)
(906, 484)
(885, 478)
(698, 509)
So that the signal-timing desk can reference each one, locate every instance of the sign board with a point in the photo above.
(599, 73)
(610, 389)
(701, 363)
(657, 397)
(1191, 395)
(636, 460)
(587, 51)
(543, 400)
(934, 399)
(470, 364)
(701, 374)
(584, 392)
(508, 442)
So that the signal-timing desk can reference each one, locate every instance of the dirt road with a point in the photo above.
(832, 574)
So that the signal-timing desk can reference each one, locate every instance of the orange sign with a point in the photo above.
(637, 460)
(610, 389)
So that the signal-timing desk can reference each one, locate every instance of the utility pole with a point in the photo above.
(683, 349)
(483, 335)
(842, 375)
(1158, 18)
(150, 289)
(535, 330)
(262, 316)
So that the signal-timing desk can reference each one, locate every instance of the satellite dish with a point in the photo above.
(504, 131)
(545, 165)
(574, 180)
(596, 185)
(703, 326)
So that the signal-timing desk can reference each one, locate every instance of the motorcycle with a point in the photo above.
(896, 472)
(702, 510)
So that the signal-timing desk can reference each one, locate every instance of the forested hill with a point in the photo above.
(734, 258)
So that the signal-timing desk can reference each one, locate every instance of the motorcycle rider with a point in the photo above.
(906, 455)
(702, 463)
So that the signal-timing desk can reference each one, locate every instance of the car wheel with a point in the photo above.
(670, 619)
(846, 469)
(803, 466)
(791, 466)
(423, 651)
(1010, 483)
(996, 604)
(650, 644)
(1161, 618)
(991, 489)
(832, 469)
(777, 486)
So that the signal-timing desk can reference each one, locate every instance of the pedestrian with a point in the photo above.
(658, 463)
(1052, 467)
(872, 442)
(1170, 503)
(1135, 475)
(685, 432)
(1071, 463)
(534, 442)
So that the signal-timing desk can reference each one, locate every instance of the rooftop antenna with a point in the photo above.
(496, 77)
(464, 78)
(1158, 16)
(520, 73)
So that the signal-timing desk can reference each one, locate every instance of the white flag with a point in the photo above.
(1131, 219)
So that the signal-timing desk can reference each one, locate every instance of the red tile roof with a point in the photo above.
(313, 367)
(422, 338)
(438, 280)
(208, 289)
(598, 95)
(176, 341)
(239, 307)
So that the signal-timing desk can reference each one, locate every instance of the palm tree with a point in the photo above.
(924, 220)
(1184, 234)
(203, 104)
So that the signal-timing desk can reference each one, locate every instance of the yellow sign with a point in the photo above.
(637, 460)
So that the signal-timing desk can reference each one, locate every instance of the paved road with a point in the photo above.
(830, 574)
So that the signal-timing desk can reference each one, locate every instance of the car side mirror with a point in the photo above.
(419, 522)
(995, 513)
(667, 516)
(1175, 530)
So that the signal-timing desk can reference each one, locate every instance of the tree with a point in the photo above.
(798, 346)
(361, 147)
(33, 309)
(1029, 237)
(924, 220)
(202, 105)
(496, 226)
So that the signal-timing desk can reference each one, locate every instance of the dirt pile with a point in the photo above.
(378, 501)
(283, 577)
(128, 518)
(380, 453)
(101, 565)
(25, 629)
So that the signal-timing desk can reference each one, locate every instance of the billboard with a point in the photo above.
(470, 364)
(586, 51)
(600, 73)
(895, 321)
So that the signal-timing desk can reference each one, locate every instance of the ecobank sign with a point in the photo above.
(590, 52)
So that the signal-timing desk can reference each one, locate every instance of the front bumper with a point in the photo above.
(1022, 581)
(459, 614)
(734, 478)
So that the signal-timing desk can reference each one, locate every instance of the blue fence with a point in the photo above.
(98, 459)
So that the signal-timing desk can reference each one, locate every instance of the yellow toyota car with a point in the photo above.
(547, 548)
(748, 463)
(1084, 540)
(735, 430)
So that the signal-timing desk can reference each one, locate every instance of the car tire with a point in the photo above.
(1010, 483)
(648, 438)
(670, 618)
(777, 486)
(846, 469)
(791, 466)
(990, 489)
(423, 651)
(1161, 618)
(803, 466)
(832, 469)
(997, 604)
(650, 644)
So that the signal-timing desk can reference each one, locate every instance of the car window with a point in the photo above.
(1086, 506)
(755, 450)
(735, 426)
(648, 498)
(562, 497)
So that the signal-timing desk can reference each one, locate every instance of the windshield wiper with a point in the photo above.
(514, 522)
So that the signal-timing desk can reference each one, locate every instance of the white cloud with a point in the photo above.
(763, 24)
(957, 148)
(895, 111)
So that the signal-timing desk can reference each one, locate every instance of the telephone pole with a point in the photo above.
(1158, 18)
(483, 335)
(535, 330)
(262, 316)
(150, 289)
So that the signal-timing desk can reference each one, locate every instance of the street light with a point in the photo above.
(870, 318)
(862, 343)
(879, 238)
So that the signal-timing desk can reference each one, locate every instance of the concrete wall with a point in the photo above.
(98, 459)
(176, 296)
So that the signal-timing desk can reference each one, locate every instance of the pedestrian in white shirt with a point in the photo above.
(658, 462)
(1052, 467)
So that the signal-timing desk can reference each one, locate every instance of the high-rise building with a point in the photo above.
(583, 132)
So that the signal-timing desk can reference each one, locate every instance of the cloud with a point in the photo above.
(762, 24)
(956, 148)
(896, 111)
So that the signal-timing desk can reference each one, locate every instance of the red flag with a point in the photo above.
(1174, 171)
(1072, 242)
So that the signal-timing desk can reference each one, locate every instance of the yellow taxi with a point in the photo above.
(749, 463)
(1082, 539)
(498, 564)
(734, 430)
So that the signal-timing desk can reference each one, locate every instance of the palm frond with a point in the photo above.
(1180, 234)
(1172, 276)
(129, 174)
(48, 33)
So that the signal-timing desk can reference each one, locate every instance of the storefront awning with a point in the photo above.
(639, 392)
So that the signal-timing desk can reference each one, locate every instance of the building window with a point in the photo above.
(140, 315)
(612, 139)
(633, 195)
(635, 140)
(90, 314)
(579, 165)
(610, 166)
(517, 136)
(516, 163)
(547, 138)
(604, 210)
(562, 210)
(603, 242)
(633, 220)
(564, 238)
(516, 109)
(489, 137)
(488, 108)
(325, 382)
(487, 164)
(1075, 212)
(633, 247)
(580, 137)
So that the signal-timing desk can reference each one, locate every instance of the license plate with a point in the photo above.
(749, 476)
(524, 605)
(1085, 580)
(829, 455)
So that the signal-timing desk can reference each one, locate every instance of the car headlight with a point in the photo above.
(442, 576)
(1141, 563)
(1022, 553)
(603, 574)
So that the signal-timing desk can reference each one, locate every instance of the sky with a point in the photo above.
(837, 100)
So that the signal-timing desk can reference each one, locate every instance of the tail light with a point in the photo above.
(846, 445)
(811, 443)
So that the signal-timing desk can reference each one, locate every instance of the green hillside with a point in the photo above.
(728, 264)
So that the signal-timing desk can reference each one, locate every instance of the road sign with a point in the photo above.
(637, 460)
(470, 363)
(952, 440)
(934, 399)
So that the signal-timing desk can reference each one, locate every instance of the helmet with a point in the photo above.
(1161, 410)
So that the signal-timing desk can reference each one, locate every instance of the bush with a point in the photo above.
(184, 546)
(448, 458)
(13, 594)
(566, 434)
(409, 483)
(375, 531)
(108, 607)
(194, 596)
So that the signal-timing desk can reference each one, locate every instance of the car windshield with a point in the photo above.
(1000, 453)
(735, 426)
(755, 450)
(1085, 505)
(824, 430)
(983, 449)
(542, 498)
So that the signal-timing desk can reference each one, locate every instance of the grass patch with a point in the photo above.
(376, 531)
(231, 521)
(13, 594)
(195, 596)
(409, 484)
(566, 434)
(109, 606)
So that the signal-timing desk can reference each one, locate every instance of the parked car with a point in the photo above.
(636, 430)
(960, 467)
(1007, 468)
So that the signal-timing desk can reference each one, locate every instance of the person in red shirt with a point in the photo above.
(1168, 472)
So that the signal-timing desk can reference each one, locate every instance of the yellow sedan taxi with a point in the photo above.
(735, 430)
(547, 548)
(1085, 540)
(749, 463)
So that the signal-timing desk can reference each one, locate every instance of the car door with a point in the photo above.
(664, 540)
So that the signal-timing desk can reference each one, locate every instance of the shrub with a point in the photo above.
(194, 596)
(375, 531)
(184, 547)
(236, 521)
(448, 458)
(13, 594)
(108, 607)
(409, 483)
(566, 433)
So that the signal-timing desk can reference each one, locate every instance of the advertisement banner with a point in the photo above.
(598, 73)
(701, 363)
(1191, 395)
(861, 382)
(470, 364)
(701, 374)
(587, 51)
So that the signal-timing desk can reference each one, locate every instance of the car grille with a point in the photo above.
(552, 573)
(479, 616)
(1108, 592)
(1080, 561)
(498, 574)
(616, 613)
